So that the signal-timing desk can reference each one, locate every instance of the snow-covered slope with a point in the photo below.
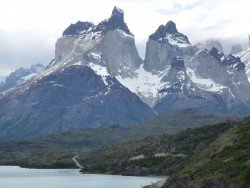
(145, 84)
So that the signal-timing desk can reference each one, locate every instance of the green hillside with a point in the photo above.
(154, 155)
(226, 162)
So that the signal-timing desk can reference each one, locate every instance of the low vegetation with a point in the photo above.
(154, 155)
(224, 162)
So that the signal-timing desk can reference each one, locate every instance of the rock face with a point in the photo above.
(78, 89)
(19, 76)
(209, 44)
(245, 58)
(236, 49)
(110, 41)
(164, 45)
(181, 93)
(222, 74)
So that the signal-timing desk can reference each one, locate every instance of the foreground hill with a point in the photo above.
(225, 163)
(57, 150)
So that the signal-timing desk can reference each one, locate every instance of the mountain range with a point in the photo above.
(98, 79)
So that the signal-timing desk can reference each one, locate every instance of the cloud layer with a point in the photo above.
(29, 28)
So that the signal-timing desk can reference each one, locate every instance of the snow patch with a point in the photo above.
(206, 84)
(146, 85)
(95, 55)
(101, 71)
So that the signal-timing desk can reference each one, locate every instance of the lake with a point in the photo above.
(16, 177)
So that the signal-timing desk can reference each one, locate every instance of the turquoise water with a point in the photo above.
(16, 177)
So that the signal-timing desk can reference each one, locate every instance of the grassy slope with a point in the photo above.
(57, 150)
(226, 161)
(178, 148)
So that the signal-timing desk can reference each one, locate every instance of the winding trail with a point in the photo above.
(76, 162)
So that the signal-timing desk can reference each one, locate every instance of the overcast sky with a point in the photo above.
(30, 28)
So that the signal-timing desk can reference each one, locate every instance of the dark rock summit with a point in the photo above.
(170, 28)
(178, 63)
(78, 28)
(116, 21)
(216, 53)
(227, 60)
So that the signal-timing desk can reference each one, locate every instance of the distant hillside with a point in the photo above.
(57, 150)
(225, 163)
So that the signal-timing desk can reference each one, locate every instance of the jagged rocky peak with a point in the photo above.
(178, 63)
(227, 60)
(171, 27)
(169, 33)
(236, 48)
(165, 44)
(216, 53)
(78, 28)
(116, 21)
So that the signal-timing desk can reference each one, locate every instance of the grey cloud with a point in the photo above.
(24, 50)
